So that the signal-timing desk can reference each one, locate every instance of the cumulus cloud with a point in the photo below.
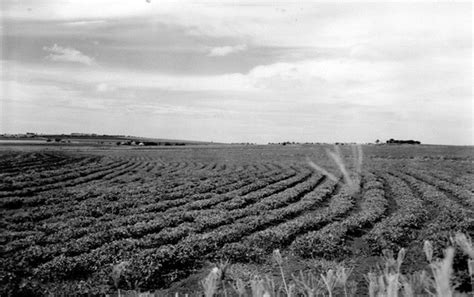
(222, 51)
(67, 54)
(312, 75)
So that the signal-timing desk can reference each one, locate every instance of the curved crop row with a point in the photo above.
(198, 245)
(208, 185)
(45, 167)
(283, 233)
(218, 187)
(128, 200)
(394, 231)
(275, 183)
(464, 195)
(204, 221)
(329, 241)
(35, 178)
(465, 180)
(69, 179)
(60, 175)
(29, 161)
(113, 229)
(451, 215)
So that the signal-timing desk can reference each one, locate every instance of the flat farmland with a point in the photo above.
(69, 216)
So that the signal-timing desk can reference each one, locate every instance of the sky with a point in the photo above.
(239, 71)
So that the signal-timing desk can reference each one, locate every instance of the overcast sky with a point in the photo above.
(236, 71)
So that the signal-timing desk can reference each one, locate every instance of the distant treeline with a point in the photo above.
(150, 143)
(396, 141)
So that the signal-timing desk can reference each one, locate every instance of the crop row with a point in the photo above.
(127, 175)
(204, 199)
(277, 183)
(38, 254)
(450, 214)
(105, 173)
(71, 178)
(27, 198)
(44, 169)
(329, 242)
(8, 156)
(274, 196)
(197, 189)
(203, 185)
(83, 201)
(54, 176)
(150, 225)
(447, 218)
(16, 202)
(33, 177)
(305, 214)
(143, 213)
(22, 160)
(195, 245)
(396, 230)
(464, 195)
(201, 220)
(465, 180)
(97, 176)
(124, 196)
(113, 228)
(43, 162)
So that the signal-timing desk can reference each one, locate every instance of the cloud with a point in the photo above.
(67, 54)
(321, 76)
(365, 52)
(222, 51)
(86, 23)
(103, 87)
(279, 70)
(126, 78)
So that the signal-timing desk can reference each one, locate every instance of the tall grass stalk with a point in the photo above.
(210, 283)
(442, 271)
(353, 183)
(465, 243)
(279, 259)
(387, 282)
(322, 171)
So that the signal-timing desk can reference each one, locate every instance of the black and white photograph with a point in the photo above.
(231, 148)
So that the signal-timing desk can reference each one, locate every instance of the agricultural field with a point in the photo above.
(69, 216)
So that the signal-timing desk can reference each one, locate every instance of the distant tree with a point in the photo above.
(377, 141)
(396, 141)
